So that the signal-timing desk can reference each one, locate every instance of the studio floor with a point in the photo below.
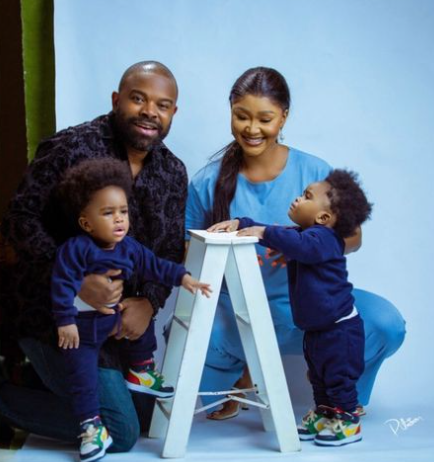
(404, 434)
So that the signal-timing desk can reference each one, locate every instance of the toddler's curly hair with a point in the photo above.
(83, 180)
(348, 201)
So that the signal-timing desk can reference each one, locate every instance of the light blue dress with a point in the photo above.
(268, 202)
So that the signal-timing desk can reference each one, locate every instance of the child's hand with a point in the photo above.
(224, 226)
(68, 336)
(191, 284)
(257, 231)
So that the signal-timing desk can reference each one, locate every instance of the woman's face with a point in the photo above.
(256, 122)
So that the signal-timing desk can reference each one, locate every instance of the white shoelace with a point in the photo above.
(89, 434)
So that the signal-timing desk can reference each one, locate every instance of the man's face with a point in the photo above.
(144, 108)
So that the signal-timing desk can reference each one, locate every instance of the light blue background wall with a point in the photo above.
(361, 74)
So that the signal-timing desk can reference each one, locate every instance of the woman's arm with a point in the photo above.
(354, 242)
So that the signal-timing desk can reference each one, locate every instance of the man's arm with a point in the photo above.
(23, 225)
(173, 248)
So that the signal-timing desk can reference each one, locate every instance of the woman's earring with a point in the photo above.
(281, 137)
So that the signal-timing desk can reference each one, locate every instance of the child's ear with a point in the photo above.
(324, 218)
(84, 224)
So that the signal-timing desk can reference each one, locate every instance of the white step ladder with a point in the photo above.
(210, 256)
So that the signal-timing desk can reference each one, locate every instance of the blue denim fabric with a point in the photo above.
(50, 414)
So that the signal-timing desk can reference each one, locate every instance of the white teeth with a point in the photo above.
(254, 140)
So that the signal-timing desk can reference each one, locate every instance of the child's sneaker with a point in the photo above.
(311, 424)
(360, 411)
(146, 379)
(343, 428)
(94, 440)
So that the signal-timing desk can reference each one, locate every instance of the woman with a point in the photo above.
(258, 176)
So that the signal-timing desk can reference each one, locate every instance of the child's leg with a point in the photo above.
(340, 357)
(143, 377)
(82, 371)
(315, 420)
(143, 348)
(342, 351)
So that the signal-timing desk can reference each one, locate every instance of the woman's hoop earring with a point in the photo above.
(281, 136)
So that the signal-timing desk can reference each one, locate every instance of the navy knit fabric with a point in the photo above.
(319, 290)
(80, 256)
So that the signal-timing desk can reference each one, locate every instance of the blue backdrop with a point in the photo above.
(361, 75)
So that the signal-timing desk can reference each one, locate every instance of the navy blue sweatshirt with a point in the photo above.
(80, 256)
(319, 290)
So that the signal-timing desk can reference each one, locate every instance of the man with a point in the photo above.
(35, 225)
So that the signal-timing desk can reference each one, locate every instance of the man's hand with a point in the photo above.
(192, 285)
(68, 336)
(136, 316)
(224, 226)
(99, 290)
(257, 231)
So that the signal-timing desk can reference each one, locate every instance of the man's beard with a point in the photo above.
(137, 140)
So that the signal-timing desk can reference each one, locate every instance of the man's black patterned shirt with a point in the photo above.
(35, 223)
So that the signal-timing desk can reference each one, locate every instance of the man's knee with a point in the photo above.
(125, 435)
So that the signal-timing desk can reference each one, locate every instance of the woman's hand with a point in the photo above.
(99, 290)
(227, 226)
(192, 285)
(279, 258)
(257, 231)
(68, 336)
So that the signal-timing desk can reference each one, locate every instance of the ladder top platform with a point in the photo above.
(222, 238)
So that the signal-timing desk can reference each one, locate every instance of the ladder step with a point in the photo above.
(183, 323)
(243, 318)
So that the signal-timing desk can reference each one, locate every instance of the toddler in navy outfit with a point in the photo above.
(321, 299)
(96, 192)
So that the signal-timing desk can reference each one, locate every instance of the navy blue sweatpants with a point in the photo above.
(335, 358)
(82, 362)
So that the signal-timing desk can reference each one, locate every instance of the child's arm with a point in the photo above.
(310, 246)
(192, 285)
(67, 276)
(153, 268)
(313, 245)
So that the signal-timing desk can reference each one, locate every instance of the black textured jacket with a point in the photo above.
(35, 224)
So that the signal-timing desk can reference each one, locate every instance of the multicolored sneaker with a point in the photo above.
(360, 411)
(311, 424)
(94, 439)
(344, 428)
(148, 380)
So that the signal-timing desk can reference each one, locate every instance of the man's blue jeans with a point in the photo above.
(50, 414)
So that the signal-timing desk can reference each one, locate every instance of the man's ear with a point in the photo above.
(324, 218)
(84, 224)
(115, 100)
